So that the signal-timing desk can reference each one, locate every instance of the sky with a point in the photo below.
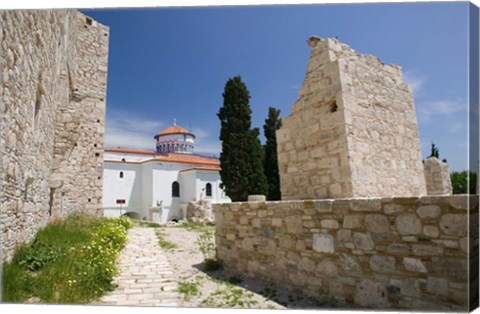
(173, 63)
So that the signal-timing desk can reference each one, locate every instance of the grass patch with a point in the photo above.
(188, 289)
(164, 244)
(69, 261)
(230, 297)
(195, 226)
(147, 224)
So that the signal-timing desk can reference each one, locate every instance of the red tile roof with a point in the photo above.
(193, 159)
(202, 168)
(164, 157)
(130, 151)
(175, 129)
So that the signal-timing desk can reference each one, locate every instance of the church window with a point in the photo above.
(175, 189)
(208, 189)
(121, 174)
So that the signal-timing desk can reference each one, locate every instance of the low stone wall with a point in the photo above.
(400, 253)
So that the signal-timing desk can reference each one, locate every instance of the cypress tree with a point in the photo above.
(242, 155)
(272, 124)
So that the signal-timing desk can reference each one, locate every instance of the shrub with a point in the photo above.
(211, 264)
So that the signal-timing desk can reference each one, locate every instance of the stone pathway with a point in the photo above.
(146, 277)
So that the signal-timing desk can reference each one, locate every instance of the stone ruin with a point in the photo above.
(437, 177)
(53, 89)
(200, 211)
(352, 132)
(356, 228)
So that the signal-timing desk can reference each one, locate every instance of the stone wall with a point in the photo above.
(352, 132)
(437, 177)
(388, 253)
(53, 88)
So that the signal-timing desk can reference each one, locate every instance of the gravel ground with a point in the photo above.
(220, 288)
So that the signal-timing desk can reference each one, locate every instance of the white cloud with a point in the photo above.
(124, 129)
(206, 143)
(127, 130)
(429, 110)
(456, 127)
(415, 80)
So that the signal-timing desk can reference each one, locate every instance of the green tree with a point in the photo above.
(242, 154)
(272, 124)
(460, 182)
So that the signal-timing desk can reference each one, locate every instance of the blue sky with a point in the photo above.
(168, 63)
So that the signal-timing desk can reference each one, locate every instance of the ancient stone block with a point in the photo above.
(370, 294)
(363, 241)
(431, 231)
(382, 264)
(294, 224)
(365, 205)
(390, 209)
(408, 224)
(426, 249)
(306, 264)
(398, 248)
(349, 264)
(428, 211)
(327, 267)
(352, 221)
(323, 243)
(277, 222)
(329, 224)
(414, 264)
(323, 206)
(454, 224)
(377, 223)
(344, 235)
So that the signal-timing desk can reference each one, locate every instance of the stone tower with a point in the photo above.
(53, 93)
(352, 132)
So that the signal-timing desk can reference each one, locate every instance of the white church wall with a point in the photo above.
(122, 181)
(213, 177)
(188, 181)
(164, 174)
(147, 184)
(147, 192)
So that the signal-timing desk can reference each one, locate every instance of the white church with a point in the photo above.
(157, 185)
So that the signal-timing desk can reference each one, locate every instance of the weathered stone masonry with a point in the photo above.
(400, 253)
(352, 132)
(53, 89)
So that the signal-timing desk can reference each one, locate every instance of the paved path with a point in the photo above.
(146, 277)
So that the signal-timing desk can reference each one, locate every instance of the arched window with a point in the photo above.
(121, 174)
(175, 189)
(208, 189)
